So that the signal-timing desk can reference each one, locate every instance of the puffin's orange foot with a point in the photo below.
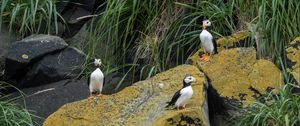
(98, 95)
(90, 98)
(205, 58)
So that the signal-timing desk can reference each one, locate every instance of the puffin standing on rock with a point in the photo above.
(96, 80)
(181, 97)
(207, 42)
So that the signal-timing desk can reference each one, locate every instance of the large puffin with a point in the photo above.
(207, 41)
(96, 79)
(181, 97)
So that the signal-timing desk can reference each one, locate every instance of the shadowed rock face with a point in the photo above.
(238, 77)
(141, 104)
(53, 68)
(27, 51)
(293, 56)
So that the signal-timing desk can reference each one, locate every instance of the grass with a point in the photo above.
(279, 110)
(30, 16)
(143, 38)
(10, 113)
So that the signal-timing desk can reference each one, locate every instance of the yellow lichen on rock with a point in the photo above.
(141, 104)
(237, 75)
(232, 40)
(224, 43)
(293, 55)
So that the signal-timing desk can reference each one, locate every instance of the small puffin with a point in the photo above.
(181, 97)
(96, 79)
(207, 42)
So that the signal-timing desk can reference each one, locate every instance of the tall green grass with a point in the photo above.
(277, 23)
(279, 110)
(30, 16)
(155, 35)
(10, 113)
(158, 35)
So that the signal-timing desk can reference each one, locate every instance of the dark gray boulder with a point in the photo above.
(6, 40)
(54, 67)
(27, 51)
(46, 99)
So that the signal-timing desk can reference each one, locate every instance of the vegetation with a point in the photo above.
(11, 114)
(157, 35)
(279, 110)
(29, 16)
(142, 38)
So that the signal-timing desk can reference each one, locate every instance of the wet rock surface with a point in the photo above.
(141, 104)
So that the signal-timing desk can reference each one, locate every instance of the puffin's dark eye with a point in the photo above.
(206, 22)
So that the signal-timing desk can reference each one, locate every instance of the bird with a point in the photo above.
(181, 97)
(96, 79)
(207, 41)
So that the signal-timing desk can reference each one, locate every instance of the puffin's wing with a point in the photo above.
(103, 81)
(174, 99)
(215, 46)
(88, 80)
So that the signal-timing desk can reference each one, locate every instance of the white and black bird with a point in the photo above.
(207, 41)
(96, 79)
(181, 97)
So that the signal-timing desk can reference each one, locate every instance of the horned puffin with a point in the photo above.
(96, 79)
(207, 41)
(181, 97)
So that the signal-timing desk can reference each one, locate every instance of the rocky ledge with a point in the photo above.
(141, 104)
(293, 56)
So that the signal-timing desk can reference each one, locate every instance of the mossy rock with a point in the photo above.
(238, 77)
(235, 40)
(142, 104)
(293, 56)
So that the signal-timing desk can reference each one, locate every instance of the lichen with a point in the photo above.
(237, 75)
(232, 41)
(293, 56)
(141, 104)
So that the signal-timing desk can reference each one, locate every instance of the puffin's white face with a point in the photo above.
(189, 79)
(206, 23)
(97, 62)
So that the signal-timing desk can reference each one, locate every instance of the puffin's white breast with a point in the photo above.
(96, 80)
(185, 94)
(206, 41)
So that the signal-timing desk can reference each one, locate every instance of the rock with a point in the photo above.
(239, 78)
(46, 99)
(6, 40)
(293, 57)
(54, 67)
(72, 15)
(139, 105)
(79, 39)
(235, 40)
(29, 50)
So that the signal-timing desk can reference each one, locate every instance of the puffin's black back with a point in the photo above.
(174, 99)
(215, 46)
